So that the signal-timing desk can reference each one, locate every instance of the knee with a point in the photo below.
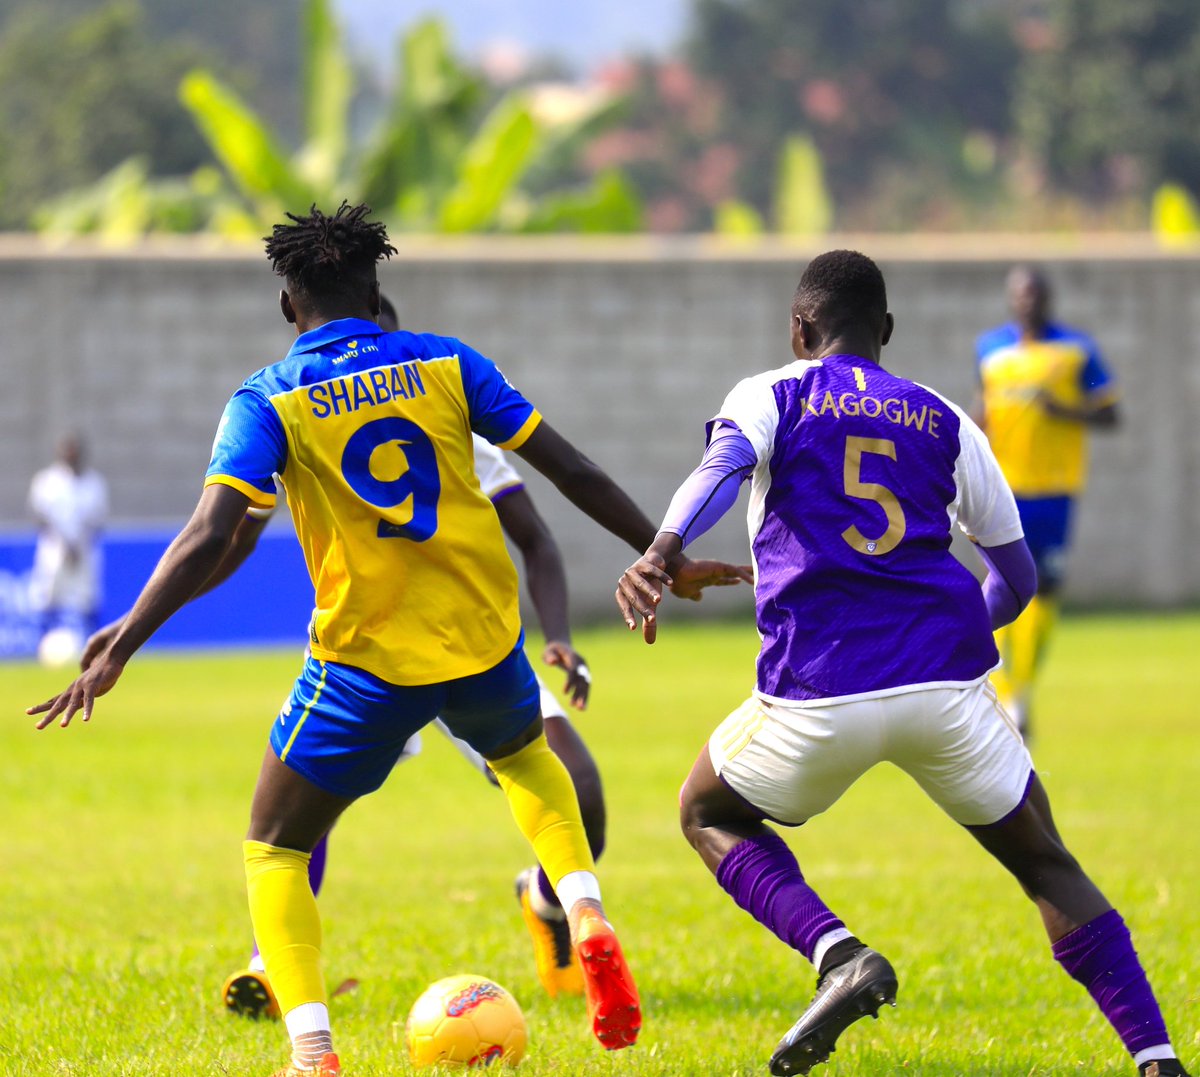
(691, 817)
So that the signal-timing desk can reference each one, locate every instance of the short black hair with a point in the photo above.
(840, 289)
(328, 257)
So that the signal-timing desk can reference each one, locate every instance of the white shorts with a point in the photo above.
(792, 761)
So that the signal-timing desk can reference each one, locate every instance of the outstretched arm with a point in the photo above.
(587, 487)
(547, 582)
(188, 563)
(707, 494)
(245, 539)
(1100, 416)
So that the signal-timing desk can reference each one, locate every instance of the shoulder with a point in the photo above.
(765, 382)
(1059, 332)
(999, 336)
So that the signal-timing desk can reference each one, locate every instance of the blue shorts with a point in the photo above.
(344, 729)
(1046, 522)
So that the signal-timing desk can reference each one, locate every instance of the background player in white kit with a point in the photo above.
(69, 501)
(877, 645)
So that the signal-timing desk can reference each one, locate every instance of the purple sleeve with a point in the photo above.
(1011, 580)
(710, 491)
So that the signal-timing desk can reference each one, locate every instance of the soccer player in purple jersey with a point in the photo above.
(877, 645)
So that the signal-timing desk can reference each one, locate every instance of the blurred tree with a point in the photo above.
(1109, 96)
(257, 42)
(439, 161)
(77, 100)
(890, 92)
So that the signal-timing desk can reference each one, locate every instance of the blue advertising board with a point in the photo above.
(267, 603)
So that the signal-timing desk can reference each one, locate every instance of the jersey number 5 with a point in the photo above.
(418, 479)
(872, 491)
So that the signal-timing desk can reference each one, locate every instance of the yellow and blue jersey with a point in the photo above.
(1041, 455)
(370, 434)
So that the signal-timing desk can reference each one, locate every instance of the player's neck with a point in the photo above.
(309, 320)
(849, 345)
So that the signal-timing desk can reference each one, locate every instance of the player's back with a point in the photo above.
(413, 581)
(851, 518)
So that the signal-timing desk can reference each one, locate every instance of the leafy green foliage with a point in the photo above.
(78, 99)
(1109, 104)
(432, 165)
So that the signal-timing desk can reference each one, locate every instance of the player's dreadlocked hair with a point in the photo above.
(841, 288)
(326, 257)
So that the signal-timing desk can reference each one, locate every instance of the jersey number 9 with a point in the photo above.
(418, 481)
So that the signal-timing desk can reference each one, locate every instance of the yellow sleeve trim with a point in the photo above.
(257, 498)
(521, 436)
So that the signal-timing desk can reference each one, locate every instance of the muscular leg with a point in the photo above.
(1090, 940)
(756, 868)
(545, 807)
(566, 743)
(1029, 846)
(288, 816)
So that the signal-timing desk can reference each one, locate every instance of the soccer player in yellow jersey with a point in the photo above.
(1043, 385)
(416, 600)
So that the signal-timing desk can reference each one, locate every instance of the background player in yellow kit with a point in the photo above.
(1042, 386)
(416, 600)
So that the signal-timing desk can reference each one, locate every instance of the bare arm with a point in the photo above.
(1103, 416)
(586, 486)
(546, 580)
(188, 563)
(245, 539)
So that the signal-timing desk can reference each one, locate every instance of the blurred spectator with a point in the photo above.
(69, 500)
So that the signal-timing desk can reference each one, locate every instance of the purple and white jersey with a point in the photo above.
(860, 477)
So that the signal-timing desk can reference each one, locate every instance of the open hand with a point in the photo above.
(579, 678)
(639, 591)
(691, 577)
(80, 694)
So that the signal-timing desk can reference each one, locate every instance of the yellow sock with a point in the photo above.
(1001, 679)
(287, 926)
(1027, 644)
(544, 804)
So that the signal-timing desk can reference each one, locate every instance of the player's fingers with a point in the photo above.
(74, 704)
(649, 630)
(626, 608)
(89, 701)
(640, 600)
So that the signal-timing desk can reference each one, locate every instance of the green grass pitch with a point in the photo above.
(122, 904)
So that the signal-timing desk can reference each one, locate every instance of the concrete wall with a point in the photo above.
(626, 347)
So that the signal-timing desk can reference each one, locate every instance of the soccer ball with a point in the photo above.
(465, 1021)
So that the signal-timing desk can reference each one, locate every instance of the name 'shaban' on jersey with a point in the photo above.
(368, 389)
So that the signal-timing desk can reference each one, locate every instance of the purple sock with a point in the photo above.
(316, 865)
(545, 889)
(762, 876)
(316, 874)
(1100, 955)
